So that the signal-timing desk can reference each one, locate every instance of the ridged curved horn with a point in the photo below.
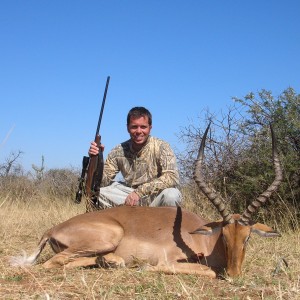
(262, 198)
(216, 200)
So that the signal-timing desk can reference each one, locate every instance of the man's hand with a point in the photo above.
(132, 199)
(94, 150)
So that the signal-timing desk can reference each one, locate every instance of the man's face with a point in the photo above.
(139, 130)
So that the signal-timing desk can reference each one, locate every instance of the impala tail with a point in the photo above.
(23, 259)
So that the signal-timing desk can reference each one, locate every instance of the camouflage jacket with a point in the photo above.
(148, 171)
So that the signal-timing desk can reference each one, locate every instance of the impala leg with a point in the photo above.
(70, 258)
(183, 268)
(82, 262)
(111, 260)
(60, 259)
(75, 256)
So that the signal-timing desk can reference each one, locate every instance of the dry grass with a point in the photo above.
(22, 224)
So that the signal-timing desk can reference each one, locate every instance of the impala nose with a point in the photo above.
(233, 271)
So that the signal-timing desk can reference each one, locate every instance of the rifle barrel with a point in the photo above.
(102, 107)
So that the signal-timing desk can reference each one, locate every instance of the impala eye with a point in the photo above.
(247, 240)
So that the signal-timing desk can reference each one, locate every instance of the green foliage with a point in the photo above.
(284, 113)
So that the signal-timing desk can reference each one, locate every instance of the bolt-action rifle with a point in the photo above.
(92, 168)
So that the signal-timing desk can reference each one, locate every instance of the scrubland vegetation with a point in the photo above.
(238, 165)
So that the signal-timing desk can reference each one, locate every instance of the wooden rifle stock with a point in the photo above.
(94, 172)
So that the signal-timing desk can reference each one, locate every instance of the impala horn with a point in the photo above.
(262, 198)
(216, 200)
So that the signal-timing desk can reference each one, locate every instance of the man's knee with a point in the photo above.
(171, 197)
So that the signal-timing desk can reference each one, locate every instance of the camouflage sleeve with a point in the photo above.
(168, 173)
(110, 169)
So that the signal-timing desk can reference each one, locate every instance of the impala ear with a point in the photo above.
(264, 230)
(208, 229)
